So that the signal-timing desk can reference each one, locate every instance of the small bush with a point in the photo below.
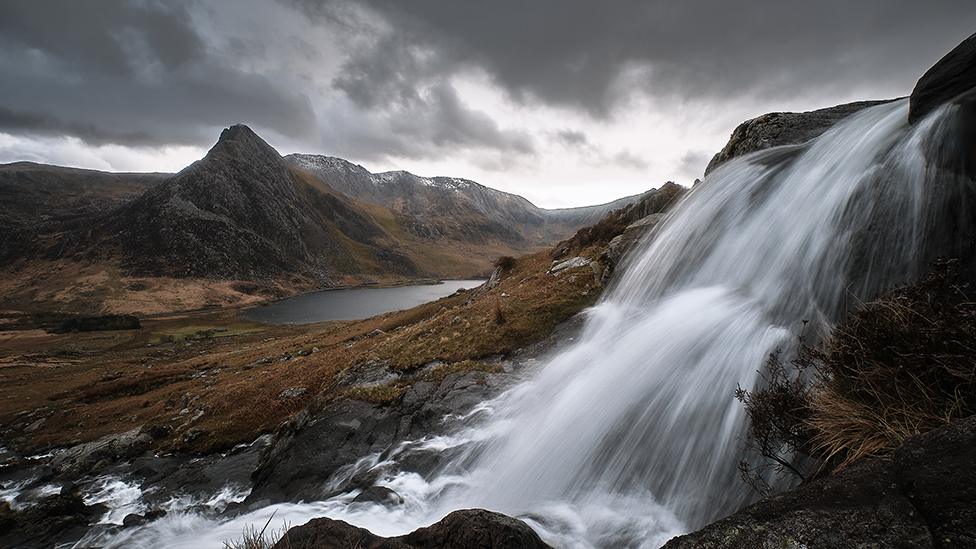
(779, 415)
(505, 263)
(899, 366)
(902, 365)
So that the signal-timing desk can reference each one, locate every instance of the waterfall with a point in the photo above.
(631, 434)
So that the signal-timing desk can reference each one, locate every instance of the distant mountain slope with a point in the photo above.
(502, 214)
(37, 199)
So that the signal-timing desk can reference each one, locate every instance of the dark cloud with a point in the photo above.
(424, 123)
(577, 52)
(150, 73)
(572, 138)
(45, 125)
(135, 73)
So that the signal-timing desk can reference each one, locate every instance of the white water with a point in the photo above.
(632, 435)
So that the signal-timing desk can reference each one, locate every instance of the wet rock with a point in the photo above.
(924, 496)
(947, 80)
(85, 458)
(466, 528)
(624, 241)
(134, 519)
(379, 494)
(55, 519)
(571, 263)
(937, 472)
(310, 448)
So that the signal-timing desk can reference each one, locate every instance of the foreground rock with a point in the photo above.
(56, 519)
(783, 128)
(924, 496)
(466, 528)
(947, 80)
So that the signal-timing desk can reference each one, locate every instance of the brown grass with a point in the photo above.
(899, 366)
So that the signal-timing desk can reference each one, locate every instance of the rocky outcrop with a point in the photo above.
(949, 79)
(621, 243)
(308, 452)
(465, 528)
(313, 446)
(783, 128)
(566, 264)
(924, 496)
(93, 456)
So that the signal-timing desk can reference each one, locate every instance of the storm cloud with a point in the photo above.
(591, 55)
(131, 73)
(565, 101)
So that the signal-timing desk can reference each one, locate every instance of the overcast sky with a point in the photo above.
(567, 102)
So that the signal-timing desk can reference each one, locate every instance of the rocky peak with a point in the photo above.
(241, 141)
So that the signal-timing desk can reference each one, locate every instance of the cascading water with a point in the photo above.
(632, 435)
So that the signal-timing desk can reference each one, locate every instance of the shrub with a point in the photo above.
(779, 414)
(505, 262)
(899, 366)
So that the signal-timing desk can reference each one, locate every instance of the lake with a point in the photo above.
(352, 303)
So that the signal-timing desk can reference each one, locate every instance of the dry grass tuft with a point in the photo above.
(902, 365)
(899, 366)
(252, 538)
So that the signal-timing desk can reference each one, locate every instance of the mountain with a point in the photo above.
(240, 213)
(244, 213)
(429, 201)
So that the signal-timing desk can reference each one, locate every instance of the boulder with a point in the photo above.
(625, 240)
(54, 520)
(924, 496)
(953, 76)
(379, 494)
(571, 263)
(466, 528)
(783, 128)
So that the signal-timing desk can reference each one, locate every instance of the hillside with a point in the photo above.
(434, 206)
(37, 199)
